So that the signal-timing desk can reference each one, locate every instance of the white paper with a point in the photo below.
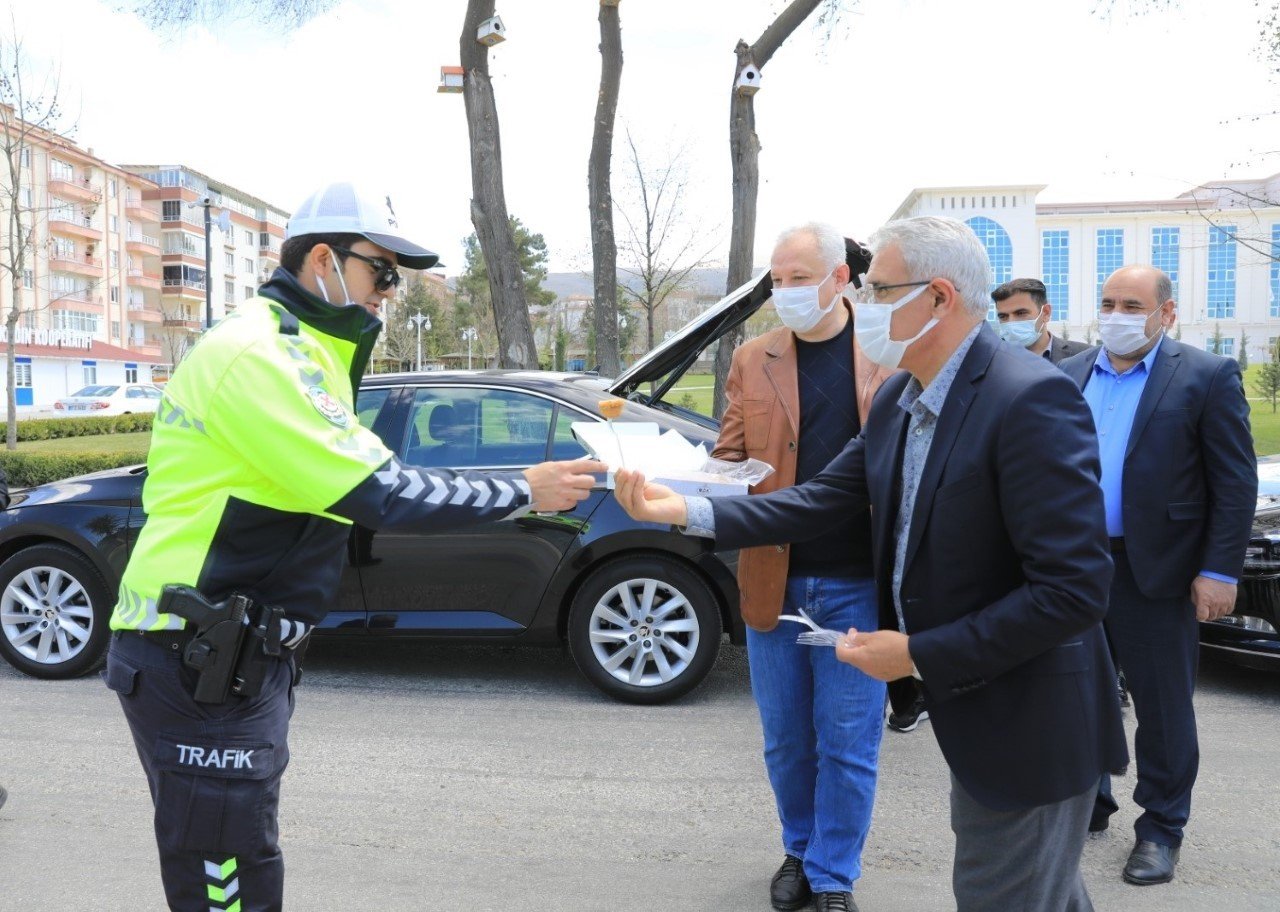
(639, 445)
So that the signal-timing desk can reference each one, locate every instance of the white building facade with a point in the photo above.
(1219, 243)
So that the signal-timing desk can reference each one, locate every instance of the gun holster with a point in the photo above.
(234, 641)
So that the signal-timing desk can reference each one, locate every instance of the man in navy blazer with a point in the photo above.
(991, 560)
(1180, 484)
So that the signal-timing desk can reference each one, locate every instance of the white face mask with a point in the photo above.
(1021, 332)
(324, 292)
(1124, 334)
(871, 324)
(799, 308)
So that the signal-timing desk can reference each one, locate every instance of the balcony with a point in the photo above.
(138, 313)
(144, 244)
(269, 254)
(80, 265)
(147, 348)
(134, 207)
(143, 279)
(187, 288)
(77, 189)
(77, 225)
(82, 301)
(182, 323)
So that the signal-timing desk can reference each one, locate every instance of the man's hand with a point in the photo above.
(1213, 598)
(881, 654)
(559, 486)
(648, 502)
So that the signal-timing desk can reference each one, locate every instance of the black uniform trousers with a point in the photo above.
(1157, 642)
(214, 773)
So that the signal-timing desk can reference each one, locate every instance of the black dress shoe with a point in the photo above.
(834, 902)
(789, 889)
(1150, 863)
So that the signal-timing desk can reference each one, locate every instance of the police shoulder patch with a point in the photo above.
(333, 411)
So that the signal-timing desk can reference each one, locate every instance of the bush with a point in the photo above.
(57, 428)
(26, 469)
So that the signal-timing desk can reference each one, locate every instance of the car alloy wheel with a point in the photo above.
(645, 629)
(53, 612)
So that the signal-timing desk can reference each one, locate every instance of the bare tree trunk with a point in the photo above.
(744, 153)
(604, 249)
(488, 204)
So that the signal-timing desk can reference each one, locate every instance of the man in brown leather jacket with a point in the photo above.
(796, 395)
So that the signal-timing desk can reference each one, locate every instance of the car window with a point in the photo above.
(95, 391)
(468, 427)
(563, 444)
(135, 392)
(369, 403)
(154, 393)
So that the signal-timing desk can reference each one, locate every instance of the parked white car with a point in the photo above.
(110, 399)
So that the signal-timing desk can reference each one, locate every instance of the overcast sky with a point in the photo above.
(906, 93)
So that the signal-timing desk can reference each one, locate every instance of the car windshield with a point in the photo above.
(95, 391)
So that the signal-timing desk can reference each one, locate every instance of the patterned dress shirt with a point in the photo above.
(924, 405)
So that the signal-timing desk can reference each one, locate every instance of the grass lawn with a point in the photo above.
(699, 387)
(138, 442)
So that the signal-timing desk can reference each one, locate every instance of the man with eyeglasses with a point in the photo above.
(990, 556)
(257, 470)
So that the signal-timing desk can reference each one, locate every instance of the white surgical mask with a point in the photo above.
(1123, 334)
(799, 308)
(1021, 332)
(871, 324)
(324, 292)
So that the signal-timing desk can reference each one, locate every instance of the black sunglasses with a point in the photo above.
(385, 275)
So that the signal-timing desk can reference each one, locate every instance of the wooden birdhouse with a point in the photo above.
(451, 79)
(748, 80)
(491, 32)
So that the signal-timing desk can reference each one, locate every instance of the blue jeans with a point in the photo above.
(822, 724)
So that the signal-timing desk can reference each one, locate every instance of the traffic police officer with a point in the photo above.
(257, 469)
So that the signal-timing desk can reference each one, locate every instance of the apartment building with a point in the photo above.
(91, 285)
(1219, 243)
(246, 234)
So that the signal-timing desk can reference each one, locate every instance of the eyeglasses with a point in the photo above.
(385, 275)
(873, 292)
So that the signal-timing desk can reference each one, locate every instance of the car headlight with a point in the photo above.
(1247, 622)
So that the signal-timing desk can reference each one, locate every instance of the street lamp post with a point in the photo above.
(420, 320)
(469, 334)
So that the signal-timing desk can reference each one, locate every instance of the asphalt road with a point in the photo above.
(433, 778)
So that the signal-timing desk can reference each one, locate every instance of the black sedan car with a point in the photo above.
(1250, 635)
(642, 608)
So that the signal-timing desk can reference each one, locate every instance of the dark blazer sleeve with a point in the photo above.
(1231, 472)
(797, 513)
(1052, 511)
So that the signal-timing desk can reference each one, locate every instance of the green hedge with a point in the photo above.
(26, 469)
(56, 428)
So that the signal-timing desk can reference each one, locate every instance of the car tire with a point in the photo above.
(644, 629)
(62, 637)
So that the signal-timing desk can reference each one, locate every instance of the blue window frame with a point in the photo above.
(1055, 271)
(999, 251)
(1222, 272)
(1110, 246)
(1166, 251)
(1275, 270)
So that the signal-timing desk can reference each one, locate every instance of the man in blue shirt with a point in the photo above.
(1179, 482)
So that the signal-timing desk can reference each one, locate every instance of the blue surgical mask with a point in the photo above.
(799, 308)
(1021, 332)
